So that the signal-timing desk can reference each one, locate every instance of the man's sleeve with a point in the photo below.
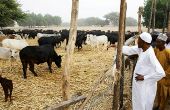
(167, 71)
(159, 71)
(127, 50)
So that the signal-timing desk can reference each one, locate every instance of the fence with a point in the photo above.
(102, 96)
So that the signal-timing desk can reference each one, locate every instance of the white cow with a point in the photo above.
(7, 53)
(14, 44)
(95, 41)
(39, 35)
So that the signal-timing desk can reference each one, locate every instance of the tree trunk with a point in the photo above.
(150, 19)
(165, 21)
(70, 50)
(122, 18)
(154, 15)
(168, 22)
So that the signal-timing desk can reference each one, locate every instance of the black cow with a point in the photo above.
(65, 35)
(7, 86)
(53, 40)
(38, 54)
(81, 38)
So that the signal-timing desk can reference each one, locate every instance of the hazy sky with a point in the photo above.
(87, 8)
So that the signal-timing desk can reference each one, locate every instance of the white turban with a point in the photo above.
(146, 37)
(162, 37)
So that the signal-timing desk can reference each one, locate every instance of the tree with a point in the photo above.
(161, 11)
(167, 13)
(113, 18)
(9, 12)
(131, 21)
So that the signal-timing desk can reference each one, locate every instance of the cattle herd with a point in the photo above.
(13, 45)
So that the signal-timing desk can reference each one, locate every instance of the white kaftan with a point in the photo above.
(143, 92)
(167, 45)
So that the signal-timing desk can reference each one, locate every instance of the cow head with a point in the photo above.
(14, 54)
(88, 39)
(58, 60)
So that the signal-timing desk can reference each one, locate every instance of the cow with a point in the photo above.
(94, 40)
(7, 53)
(7, 86)
(81, 38)
(53, 40)
(64, 35)
(14, 44)
(39, 35)
(38, 54)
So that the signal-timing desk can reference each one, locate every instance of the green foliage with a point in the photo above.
(161, 11)
(113, 18)
(33, 19)
(9, 12)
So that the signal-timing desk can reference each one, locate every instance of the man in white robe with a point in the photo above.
(146, 74)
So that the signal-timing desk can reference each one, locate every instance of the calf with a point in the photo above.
(7, 86)
(38, 54)
(7, 53)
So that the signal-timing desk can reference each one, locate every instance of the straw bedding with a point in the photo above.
(36, 93)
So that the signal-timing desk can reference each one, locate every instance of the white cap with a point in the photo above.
(162, 37)
(146, 37)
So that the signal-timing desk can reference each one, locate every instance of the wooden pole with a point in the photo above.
(150, 19)
(122, 68)
(69, 51)
(122, 17)
(140, 11)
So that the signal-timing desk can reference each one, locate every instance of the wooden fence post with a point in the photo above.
(69, 51)
(116, 104)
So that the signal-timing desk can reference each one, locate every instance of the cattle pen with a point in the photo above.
(103, 86)
(89, 78)
(92, 80)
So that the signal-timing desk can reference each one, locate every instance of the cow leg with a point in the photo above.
(24, 64)
(49, 62)
(6, 93)
(32, 68)
(10, 93)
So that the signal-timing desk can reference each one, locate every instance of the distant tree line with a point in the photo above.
(92, 21)
(110, 18)
(10, 11)
(33, 19)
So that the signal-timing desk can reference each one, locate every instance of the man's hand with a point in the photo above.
(139, 77)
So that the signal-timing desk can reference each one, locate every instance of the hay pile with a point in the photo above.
(44, 90)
